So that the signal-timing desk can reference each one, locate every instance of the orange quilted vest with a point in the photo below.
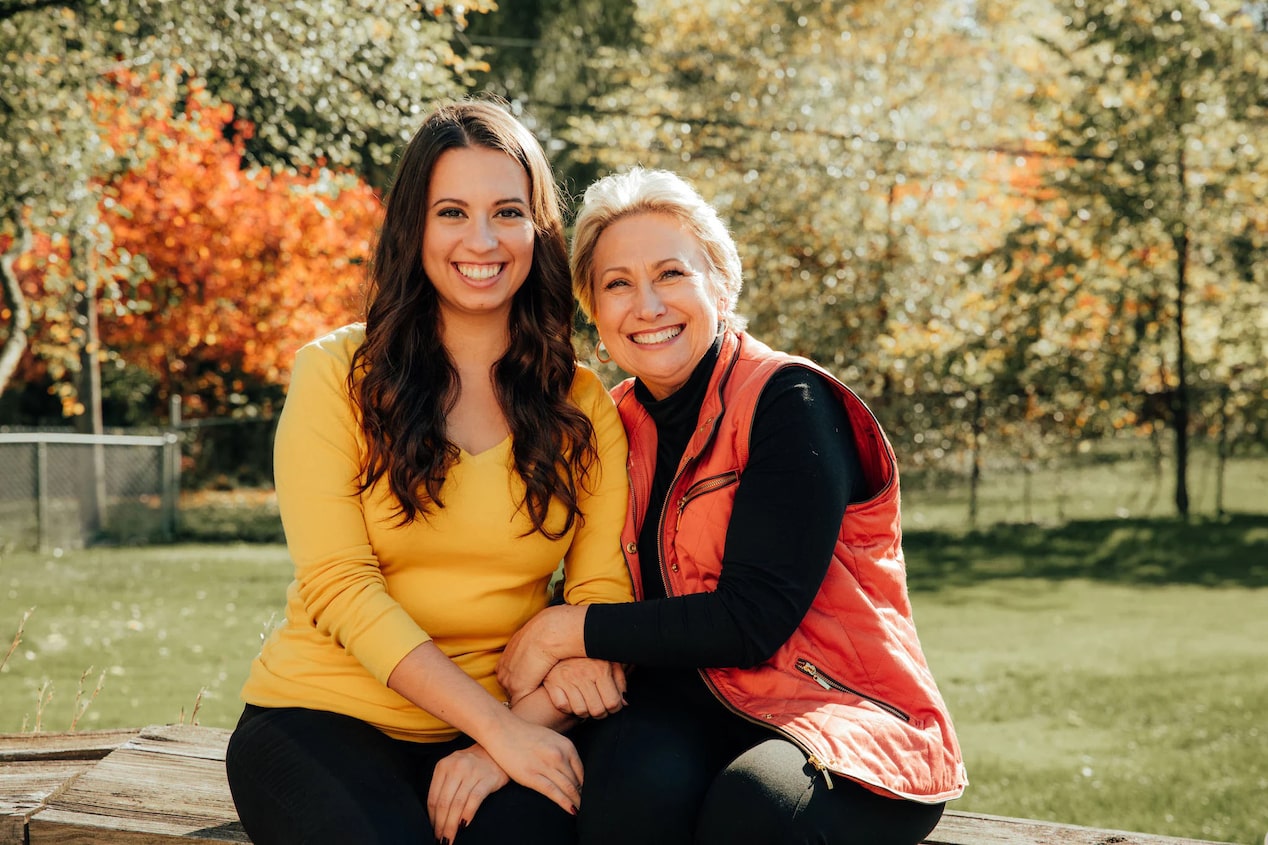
(851, 686)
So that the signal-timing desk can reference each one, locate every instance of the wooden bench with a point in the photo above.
(164, 785)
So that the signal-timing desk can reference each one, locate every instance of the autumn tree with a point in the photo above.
(220, 269)
(839, 141)
(241, 264)
(1160, 114)
(325, 83)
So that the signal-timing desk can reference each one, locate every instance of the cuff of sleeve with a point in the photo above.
(384, 644)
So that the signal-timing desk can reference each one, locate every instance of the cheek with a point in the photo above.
(605, 320)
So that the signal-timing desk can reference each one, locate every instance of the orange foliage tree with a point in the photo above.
(216, 272)
(242, 265)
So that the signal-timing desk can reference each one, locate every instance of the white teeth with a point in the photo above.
(479, 271)
(657, 337)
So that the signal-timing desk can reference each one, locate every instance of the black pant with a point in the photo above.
(674, 768)
(305, 776)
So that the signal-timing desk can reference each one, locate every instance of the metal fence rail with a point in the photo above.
(62, 490)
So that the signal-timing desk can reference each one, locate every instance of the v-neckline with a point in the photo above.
(494, 448)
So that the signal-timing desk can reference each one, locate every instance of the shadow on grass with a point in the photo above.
(1227, 552)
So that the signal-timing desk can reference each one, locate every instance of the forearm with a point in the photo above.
(429, 679)
(537, 708)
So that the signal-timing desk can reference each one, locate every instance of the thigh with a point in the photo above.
(647, 769)
(306, 776)
(770, 795)
(532, 817)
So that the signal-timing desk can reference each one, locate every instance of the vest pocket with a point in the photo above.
(705, 485)
(812, 671)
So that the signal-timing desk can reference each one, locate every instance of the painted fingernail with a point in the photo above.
(462, 824)
(575, 810)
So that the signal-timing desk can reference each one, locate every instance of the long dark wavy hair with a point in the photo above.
(403, 380)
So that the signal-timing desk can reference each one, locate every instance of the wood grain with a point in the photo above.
(166, 784)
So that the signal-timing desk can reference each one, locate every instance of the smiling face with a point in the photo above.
(478, 233)
(654, 301)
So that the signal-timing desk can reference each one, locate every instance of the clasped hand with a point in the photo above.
(552, 635)
(586, 687)
(549, 651)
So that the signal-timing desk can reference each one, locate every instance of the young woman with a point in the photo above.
(433, 466)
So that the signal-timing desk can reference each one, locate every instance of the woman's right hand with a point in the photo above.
(538, 758)
(586, 687)
(554, 634)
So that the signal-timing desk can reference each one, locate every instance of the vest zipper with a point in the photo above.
(811, 757)
(636, 583)
(828, 682)
(707, 485)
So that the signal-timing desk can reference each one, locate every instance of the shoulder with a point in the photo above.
(588, 391)
(335, 348)
(800, 385)
(322, 365)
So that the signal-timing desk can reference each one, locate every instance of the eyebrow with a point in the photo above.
(656, 266)
(464, 203)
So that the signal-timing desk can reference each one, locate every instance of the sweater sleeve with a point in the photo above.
(803, 470)
(594, 568)
(317, 460)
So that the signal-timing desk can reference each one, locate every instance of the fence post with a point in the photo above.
(42, 523)
(172, 469)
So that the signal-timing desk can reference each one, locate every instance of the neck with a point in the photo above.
(475, 341)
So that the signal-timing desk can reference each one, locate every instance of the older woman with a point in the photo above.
(781, 694)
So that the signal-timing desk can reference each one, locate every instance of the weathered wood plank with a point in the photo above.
(957, 828)
(36, 766)
(167, 783)
(25, 786)
(75, 745)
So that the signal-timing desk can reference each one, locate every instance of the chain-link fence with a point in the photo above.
(62, 490)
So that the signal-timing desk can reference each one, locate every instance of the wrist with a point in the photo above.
(565, 635)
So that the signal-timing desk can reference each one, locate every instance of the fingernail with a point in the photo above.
(575, 810)
(445, 841)
(462, 824)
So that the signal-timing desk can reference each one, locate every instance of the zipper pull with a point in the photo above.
(682, 506)
(822, 769)
(810, 669)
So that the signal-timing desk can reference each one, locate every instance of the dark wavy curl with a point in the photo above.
(403, 380)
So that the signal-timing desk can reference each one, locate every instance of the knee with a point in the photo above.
(745, 804)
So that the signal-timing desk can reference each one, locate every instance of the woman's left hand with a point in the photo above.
(554, 634)
(459, 784)
(586, 687)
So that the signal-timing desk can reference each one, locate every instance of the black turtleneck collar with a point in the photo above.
(684, 403)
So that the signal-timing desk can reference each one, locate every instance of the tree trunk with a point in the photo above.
(89, 386)
(975, 474)
(1222, 450)
(20, 322)
(1180, 397)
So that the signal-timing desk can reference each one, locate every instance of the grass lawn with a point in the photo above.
(1108, 673)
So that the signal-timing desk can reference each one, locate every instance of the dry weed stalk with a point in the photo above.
(81, 706)
(43, 696)
(193, 715)
(17, 638)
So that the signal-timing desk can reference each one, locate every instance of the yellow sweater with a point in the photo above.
(367, 592)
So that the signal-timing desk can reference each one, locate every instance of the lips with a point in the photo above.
(658, 336)
(480, 272)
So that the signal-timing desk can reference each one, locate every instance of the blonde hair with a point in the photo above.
(640, 191)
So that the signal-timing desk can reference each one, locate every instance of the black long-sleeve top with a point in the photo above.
(803, 470)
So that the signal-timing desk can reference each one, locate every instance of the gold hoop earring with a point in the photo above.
(601, 354)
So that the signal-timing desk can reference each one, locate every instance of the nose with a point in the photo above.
(648, 305)
(483, 235)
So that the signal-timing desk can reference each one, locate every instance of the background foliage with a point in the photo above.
(1013, 226)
